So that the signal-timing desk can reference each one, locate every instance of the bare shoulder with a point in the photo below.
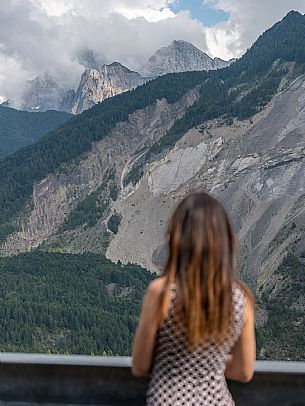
(156, 287)
(245, 291)
(152, 298)
(249, 311)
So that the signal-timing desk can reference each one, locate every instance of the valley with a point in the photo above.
(104, 183)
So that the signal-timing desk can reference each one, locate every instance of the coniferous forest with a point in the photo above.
(64, 303)
(20, 128)
(86, 304)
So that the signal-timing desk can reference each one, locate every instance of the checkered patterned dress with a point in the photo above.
(192, 377)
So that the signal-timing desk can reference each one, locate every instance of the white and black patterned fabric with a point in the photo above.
(181, 376)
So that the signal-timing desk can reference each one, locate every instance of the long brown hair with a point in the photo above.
(201, 261)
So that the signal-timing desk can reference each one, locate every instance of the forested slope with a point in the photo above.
(20, 128)
(80, 304)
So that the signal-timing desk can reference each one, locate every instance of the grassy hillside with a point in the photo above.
(20, 128)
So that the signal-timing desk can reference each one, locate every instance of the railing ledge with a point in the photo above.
(98, 380)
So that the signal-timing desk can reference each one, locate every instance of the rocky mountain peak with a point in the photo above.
(294, 14)
(112, 70)
(98, 84)
(42, 93)
(180, 56)
(183, 45)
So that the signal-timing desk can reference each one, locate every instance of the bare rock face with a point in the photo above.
(42, 93)
(180, 56)
(99, 84)
(56, 196)
(67, 101)
(255, 167)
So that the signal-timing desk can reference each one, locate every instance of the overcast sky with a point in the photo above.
(38, 36)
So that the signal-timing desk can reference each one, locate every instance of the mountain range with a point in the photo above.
(100, 82)
(107, 180)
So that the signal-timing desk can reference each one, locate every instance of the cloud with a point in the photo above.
(58, 36)
(248, 19)
(151, 10)
(101, 8)
(31, 43)
(53, 35)
(13, 77)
